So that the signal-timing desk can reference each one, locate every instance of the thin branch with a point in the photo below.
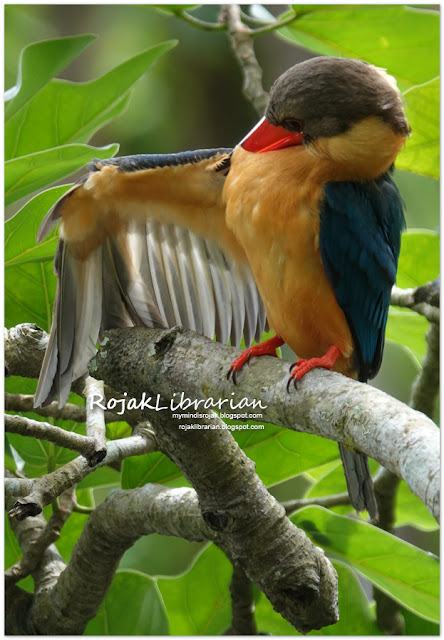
(40, 492)
(242, 45)
(425, 389)
(95, 417)
(21, 403)
(279, 24)
(334, 500)
(84, 445)
(200, 24)
(408, 298)
(242, 605)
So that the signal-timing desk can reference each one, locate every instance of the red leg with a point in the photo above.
(301, 367)
(267, 348)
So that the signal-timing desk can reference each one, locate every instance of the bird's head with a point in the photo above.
(323, 99)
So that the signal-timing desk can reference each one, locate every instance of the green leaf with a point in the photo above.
(21, 231)
(66, 112)
(280, 454)
(411, 511)
(418, 264)
(27, 174)
(419, 258)
(403, 40)
(421, 151)
(355, 614)
(405, 573)
(153, 467)
(408, 329)
(198, 603)
(161, 555)
(39, 62)
(417, 626)
(132, 607)
(29, 279)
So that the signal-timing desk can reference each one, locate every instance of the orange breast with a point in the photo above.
(274, 213)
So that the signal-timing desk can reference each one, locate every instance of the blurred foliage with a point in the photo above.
(74, 97)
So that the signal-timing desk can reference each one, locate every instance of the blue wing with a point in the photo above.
(359, 241)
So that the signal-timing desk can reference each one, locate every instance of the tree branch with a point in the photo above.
(22, 403)
(85, 445)
(40, 492)
(242, 45)
(423, 300)
(242, 605)
(402, 440)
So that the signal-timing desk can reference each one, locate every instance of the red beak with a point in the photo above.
(267, 137)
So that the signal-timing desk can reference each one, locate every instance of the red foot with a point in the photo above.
(267, 348)
(301, 367)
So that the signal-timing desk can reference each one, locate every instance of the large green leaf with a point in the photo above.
(411, 511)
(21, 231)
(198, 603)
(39, 62)
(356, 617)
(421, 152)
(403, 40)
(418, 264)
(408, 328)
(66, 112)
(27, 174)
(131, 607)
(154, 467)
(280, 454)
(419, 258)
(407, 574)
(29, 279)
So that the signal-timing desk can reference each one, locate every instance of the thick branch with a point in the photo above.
(326, 404)
(250, 524)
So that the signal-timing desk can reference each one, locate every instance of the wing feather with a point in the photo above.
(125, 258)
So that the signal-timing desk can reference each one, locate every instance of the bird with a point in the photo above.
(296, 229)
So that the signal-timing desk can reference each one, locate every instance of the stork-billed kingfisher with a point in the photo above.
(298, 226)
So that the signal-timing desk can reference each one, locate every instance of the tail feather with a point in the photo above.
(359, 481)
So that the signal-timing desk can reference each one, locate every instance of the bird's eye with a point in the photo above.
(293, 125)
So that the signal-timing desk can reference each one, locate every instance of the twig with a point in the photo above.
(242, 44)
(242, 605)
(200, 24)
(95, 419)
(408, 298)
(22, 403)
(40, 492)
(323, 501)
(279, 24)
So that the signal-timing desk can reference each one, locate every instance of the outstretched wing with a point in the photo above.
(359, 241)
(143, 241)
